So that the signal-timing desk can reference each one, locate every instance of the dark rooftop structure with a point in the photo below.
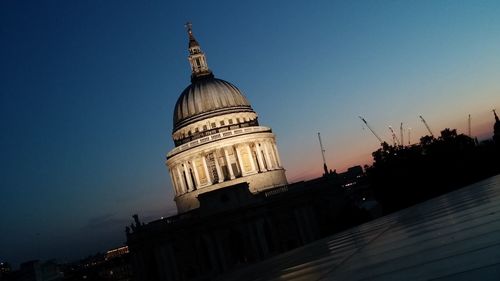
(234, 228)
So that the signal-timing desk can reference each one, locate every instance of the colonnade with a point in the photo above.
(222, 164)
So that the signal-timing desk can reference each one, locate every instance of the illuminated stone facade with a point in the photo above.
(218, 139)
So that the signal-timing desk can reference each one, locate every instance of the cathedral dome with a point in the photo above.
(208, 97)
(218, 140)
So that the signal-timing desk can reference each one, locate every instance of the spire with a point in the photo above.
(496, 116)
(192, 40)
(197, 59)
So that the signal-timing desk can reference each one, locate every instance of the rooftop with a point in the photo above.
(452, 237)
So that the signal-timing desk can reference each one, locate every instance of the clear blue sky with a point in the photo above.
(88, 89)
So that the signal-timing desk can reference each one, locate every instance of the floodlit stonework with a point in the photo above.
(218, 139)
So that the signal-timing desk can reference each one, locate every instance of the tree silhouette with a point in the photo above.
(402, 176)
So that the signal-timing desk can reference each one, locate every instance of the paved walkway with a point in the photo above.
(452, 237)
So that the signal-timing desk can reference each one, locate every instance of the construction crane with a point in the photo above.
(468, 123)
(325, 168)
(401, 133)
(426, 125)
(394, 137)
(373, 132)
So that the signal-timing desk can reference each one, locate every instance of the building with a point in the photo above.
(36, 270)
(117, 252)
(5, 269)
(233, 228)
(218, 139)
(113, 265)
(234, 204)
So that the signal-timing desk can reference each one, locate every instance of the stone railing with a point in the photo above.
(275, 191)
(218, 136)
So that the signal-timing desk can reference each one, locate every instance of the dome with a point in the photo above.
(206, 98)
(218, 140)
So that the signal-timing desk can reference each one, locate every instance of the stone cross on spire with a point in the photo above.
(192, 40)
(189, 27)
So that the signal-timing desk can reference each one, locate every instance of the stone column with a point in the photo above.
(217, 167)
(266, 157)
(262, 237)
(238, 155)
(176, 186)
(188, 177)
(271, 155)
(195, 171)
(277, 154)
(250, 155)
(228, 162)
(205, 166)
(182, 184)
(259, 158)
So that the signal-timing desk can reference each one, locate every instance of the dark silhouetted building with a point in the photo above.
(113, 265)
(37, 271)
(5, 269)
(234, 227)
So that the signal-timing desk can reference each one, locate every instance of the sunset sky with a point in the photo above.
(88, 88)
